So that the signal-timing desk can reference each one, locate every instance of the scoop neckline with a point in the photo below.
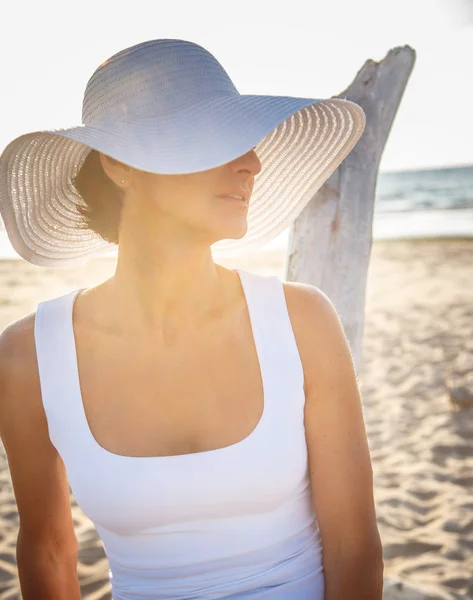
(171, 457)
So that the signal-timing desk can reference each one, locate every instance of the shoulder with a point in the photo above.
(319, 332)
(17, 342)
(37, 472)
(307, 301)
(22, 418)
(311, 310)
(18, 365)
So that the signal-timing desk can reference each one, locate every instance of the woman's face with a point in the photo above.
(198, 203)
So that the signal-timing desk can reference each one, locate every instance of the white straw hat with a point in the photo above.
(168, 106)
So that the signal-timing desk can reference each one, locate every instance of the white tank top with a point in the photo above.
(235, 522)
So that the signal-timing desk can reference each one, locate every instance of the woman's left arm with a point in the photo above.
(339, 459)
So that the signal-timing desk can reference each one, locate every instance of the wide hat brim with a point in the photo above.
(299, 141)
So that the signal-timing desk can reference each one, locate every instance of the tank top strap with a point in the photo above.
(272, 330)
(55, 355)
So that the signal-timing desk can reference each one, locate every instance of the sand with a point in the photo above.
(418, 337)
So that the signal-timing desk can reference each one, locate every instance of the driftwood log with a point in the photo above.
(330, 241)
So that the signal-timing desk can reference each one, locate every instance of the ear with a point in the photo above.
(117, 171)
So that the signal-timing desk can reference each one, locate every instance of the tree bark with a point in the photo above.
(330, 241)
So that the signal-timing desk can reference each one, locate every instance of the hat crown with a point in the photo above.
(153, 77)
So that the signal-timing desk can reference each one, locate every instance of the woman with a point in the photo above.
(208, 420)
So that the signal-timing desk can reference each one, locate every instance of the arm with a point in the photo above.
(339, 460)
(46, 546)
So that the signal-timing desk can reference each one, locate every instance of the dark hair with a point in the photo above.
(103, 200)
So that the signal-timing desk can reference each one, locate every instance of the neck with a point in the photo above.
(158, 285)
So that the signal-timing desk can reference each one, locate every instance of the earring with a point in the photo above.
(122, 181)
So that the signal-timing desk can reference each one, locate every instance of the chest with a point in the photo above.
(141, 399)
(199, 444)
(206, 431)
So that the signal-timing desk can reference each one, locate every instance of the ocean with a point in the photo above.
(426, 203)
(409, 204)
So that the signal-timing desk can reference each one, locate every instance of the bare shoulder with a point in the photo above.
(318, 331)
(17, 354)
(38, 474)
(20, 393)
(307, 302)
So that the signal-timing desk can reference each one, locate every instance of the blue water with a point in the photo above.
(409, 204)
(439, 189)
(427, 203)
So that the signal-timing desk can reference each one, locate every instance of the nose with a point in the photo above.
(248, 162)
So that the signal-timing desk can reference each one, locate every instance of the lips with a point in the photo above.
(241, 193)
(234, 203)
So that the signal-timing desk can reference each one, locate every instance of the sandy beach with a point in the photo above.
(418, 340)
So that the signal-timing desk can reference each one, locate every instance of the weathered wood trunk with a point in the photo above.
(330, 242)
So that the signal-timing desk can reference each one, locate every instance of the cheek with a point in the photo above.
(158, 193)
(148, 189)
(190, 197)
(185, 203)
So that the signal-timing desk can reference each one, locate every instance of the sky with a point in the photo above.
(49, 49)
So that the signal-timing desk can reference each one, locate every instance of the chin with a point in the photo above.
(233, 233)
(233, 229)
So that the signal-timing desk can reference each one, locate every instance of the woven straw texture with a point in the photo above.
(168, 106)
